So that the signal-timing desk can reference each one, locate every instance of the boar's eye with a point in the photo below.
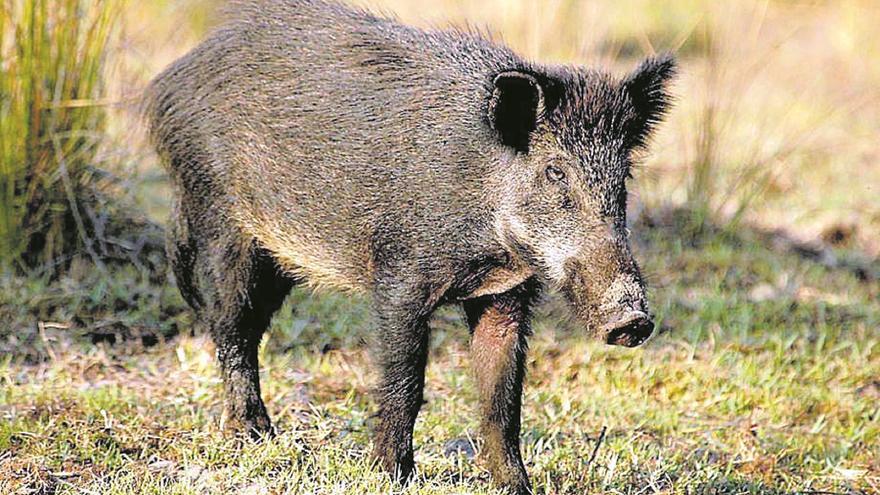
(554, 174)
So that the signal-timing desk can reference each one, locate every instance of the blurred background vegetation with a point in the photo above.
(777, 100)
(775, 124)
(756, 211)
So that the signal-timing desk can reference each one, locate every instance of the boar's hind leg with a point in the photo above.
(401, 355)
(499, 326)
(248, 288)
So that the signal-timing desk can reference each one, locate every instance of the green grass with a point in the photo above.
(766, 381)
(51, 124)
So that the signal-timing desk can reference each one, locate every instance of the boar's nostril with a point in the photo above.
(630, 331)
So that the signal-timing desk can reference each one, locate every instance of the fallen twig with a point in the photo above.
(598, 444)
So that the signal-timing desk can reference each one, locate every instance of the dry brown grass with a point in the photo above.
(778, 107)
(766, 382)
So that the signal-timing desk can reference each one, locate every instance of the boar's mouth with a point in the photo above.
(631, 330)
(615, 309)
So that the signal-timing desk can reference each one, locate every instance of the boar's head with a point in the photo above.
(571, 137)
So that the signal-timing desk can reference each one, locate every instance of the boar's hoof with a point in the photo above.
(510, 479)
(517, 489)
(397, 462)
(400, 469)
(256, 428)
(631, 330)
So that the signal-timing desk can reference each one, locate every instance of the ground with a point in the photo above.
(766, 379)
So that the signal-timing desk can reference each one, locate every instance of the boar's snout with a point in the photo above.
(606, 291)
(629, 330)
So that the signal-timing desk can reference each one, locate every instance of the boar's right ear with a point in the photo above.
(648, 90)
(516, 106)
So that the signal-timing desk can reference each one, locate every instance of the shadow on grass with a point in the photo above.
(705, 282)
(735, 487)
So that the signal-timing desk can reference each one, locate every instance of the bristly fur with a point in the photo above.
(313, 143)
(649, 93)
(595, 108)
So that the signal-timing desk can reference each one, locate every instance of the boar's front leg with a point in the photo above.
(499, 326)
(402, 312)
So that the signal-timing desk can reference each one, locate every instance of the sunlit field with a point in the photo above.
(777, 110)
(755, 215)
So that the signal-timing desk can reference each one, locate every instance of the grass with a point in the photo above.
(51, 123)
(765, 381)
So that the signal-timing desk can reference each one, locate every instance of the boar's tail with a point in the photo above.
(182, 252)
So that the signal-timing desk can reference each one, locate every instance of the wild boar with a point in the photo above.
(311, 142)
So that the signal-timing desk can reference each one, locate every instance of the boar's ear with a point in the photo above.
(648, 90)
(516, 106)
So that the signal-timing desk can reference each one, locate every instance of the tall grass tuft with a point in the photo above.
(52, 55)
(702, 187)
(736, 155)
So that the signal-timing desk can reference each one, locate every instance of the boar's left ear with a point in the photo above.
(648, 90)
(516, 107)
